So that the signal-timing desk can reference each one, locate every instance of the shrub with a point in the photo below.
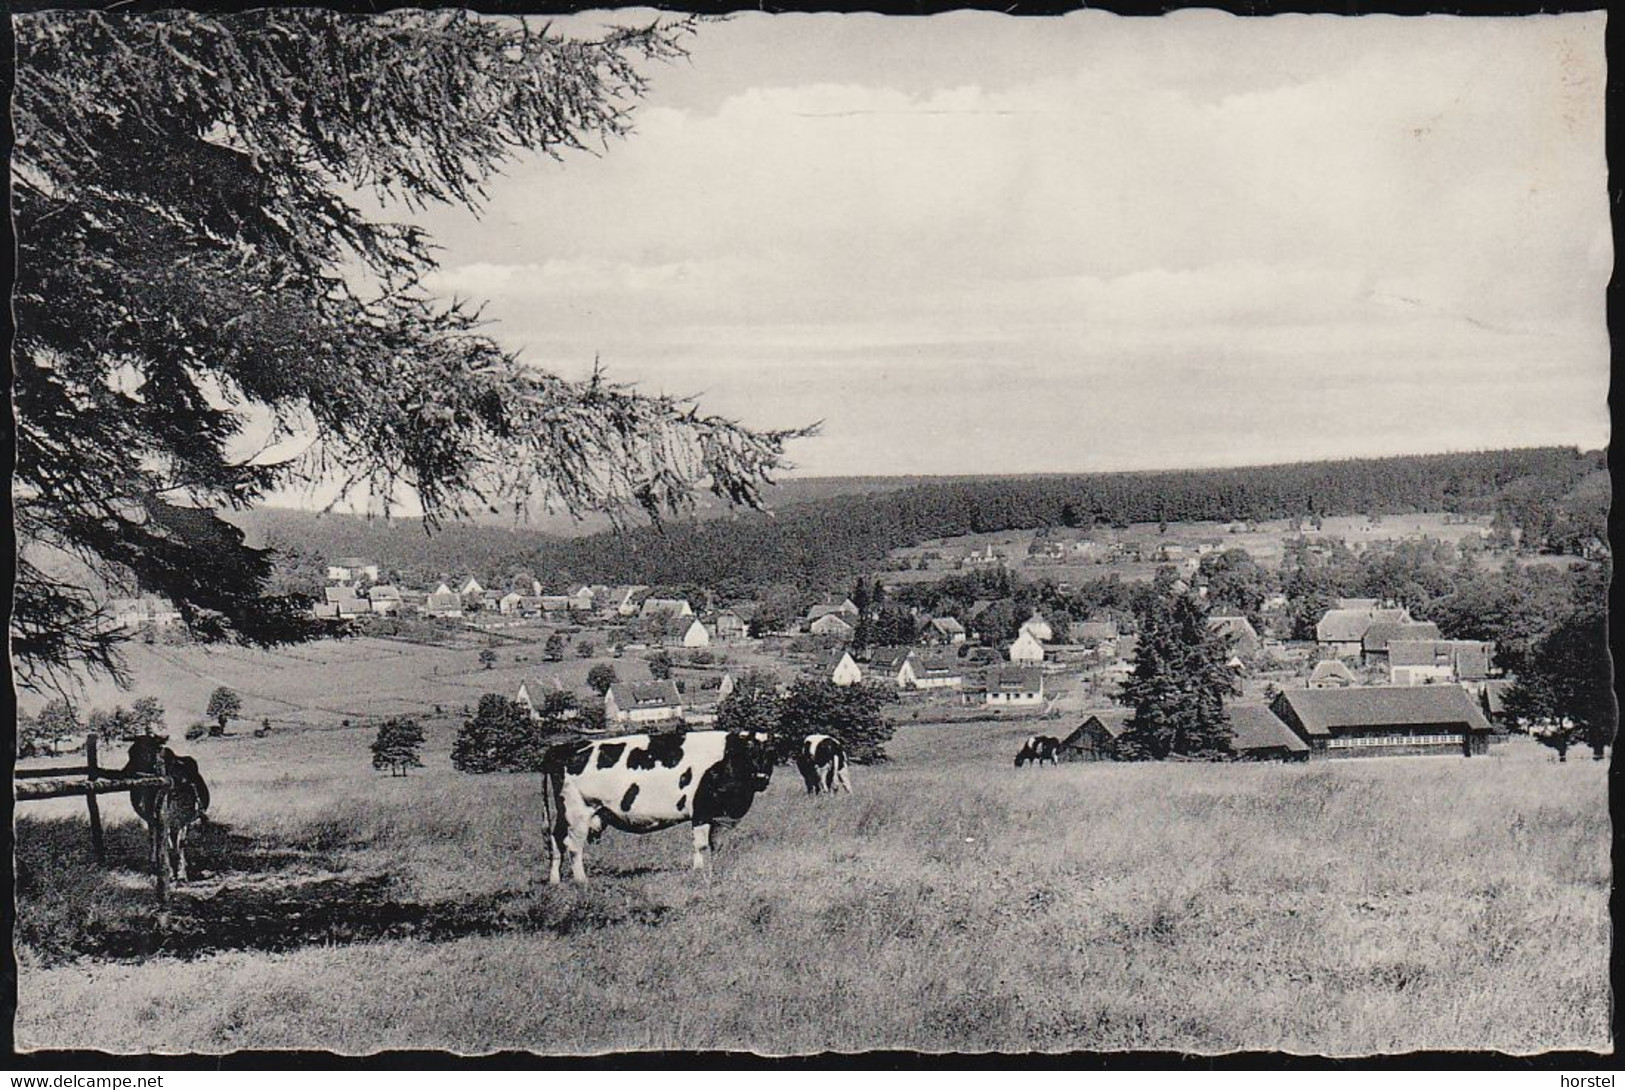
(197, 730)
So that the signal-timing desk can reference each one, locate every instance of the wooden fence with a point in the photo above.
(92, 780)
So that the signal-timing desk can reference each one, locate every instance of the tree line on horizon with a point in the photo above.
(1554, 497)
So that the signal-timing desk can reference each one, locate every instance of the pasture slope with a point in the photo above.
(952, 903)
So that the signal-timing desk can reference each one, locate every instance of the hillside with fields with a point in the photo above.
(819, 534)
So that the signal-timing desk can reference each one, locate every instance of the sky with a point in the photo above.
(973, 243)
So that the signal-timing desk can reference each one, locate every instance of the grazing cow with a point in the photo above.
(1039, 749)
(640, 783)
(821, 760)
(186, 802)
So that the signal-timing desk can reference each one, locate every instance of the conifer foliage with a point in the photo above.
(1179, 684)
(190, 193)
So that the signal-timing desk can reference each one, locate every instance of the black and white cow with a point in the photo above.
(187, 801)
(641, 783)
(822, 762)
(1039, 749)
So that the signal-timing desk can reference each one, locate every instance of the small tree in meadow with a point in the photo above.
(660, 666)
(553, 650)
(397, 744)
(56, 721)
(586, 649)
(601, 677)
(224, 705)
(488, 658)
(146, 717)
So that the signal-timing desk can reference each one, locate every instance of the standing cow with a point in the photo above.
(822, 762)
(186, 802)
(641, 783)
(1039, 749)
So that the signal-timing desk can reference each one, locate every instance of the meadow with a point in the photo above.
(952, 903)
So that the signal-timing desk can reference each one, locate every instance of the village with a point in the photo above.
(1372, 680)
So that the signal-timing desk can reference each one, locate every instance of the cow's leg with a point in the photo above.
(177, 837)
(843, 781)
(702, 844)
(577, 816)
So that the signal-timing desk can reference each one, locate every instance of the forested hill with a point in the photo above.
(845, 528)
(822, 543)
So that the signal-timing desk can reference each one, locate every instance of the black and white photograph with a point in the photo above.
(628, 532)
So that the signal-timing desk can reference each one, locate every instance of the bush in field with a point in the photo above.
(586, 649)
(660, 666)
(601, 677)
(851, 714)
(502, 736)
(553, 650)
(196, 730)
(397, 744)
(754, 704)
(224, 705)
(488, 658)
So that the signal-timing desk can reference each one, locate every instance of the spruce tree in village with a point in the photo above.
(1179, 684)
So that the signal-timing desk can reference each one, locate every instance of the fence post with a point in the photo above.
(97, 845)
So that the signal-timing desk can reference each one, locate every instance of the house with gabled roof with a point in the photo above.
(894, 664)
(621, 601)
(1095, 739)
(1331, 674)
(843, 669)
(350, 569)
(1341, 632)
(668, 607)
(1013, 687)
(1385, 720)
(1422, 662)
(938, 671)
(1026, 651)
(943, 630)
(1092, 632)
(1244, 638)
(733, 622)
(696, 634)
(833, 625)
(533, 691)
(642, 703)
(444, 603)
(1374, 644)
(1258, 734)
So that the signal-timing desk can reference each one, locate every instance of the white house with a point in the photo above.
(670, 607)
(532, 692)
(643, 702)
(697, 635)
(844, 668)
(1015, 687)
(1038, 627)
(349, 569)
(510, 602)
(385, 598)
(1026, 651)
(471, 586)
(832, 624)
(937, 672)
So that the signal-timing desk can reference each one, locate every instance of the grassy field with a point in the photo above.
(323, 683)
(952, 903)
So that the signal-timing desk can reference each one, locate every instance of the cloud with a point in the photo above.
(1394, 209)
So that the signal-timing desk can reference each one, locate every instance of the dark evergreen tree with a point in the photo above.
(217, 170)
(1179, 685)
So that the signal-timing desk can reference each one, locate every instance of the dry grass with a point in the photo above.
(953, 903)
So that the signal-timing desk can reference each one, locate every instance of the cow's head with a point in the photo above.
(146, 751)
(751, 756)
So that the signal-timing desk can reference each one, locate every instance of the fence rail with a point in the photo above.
(91, 780)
